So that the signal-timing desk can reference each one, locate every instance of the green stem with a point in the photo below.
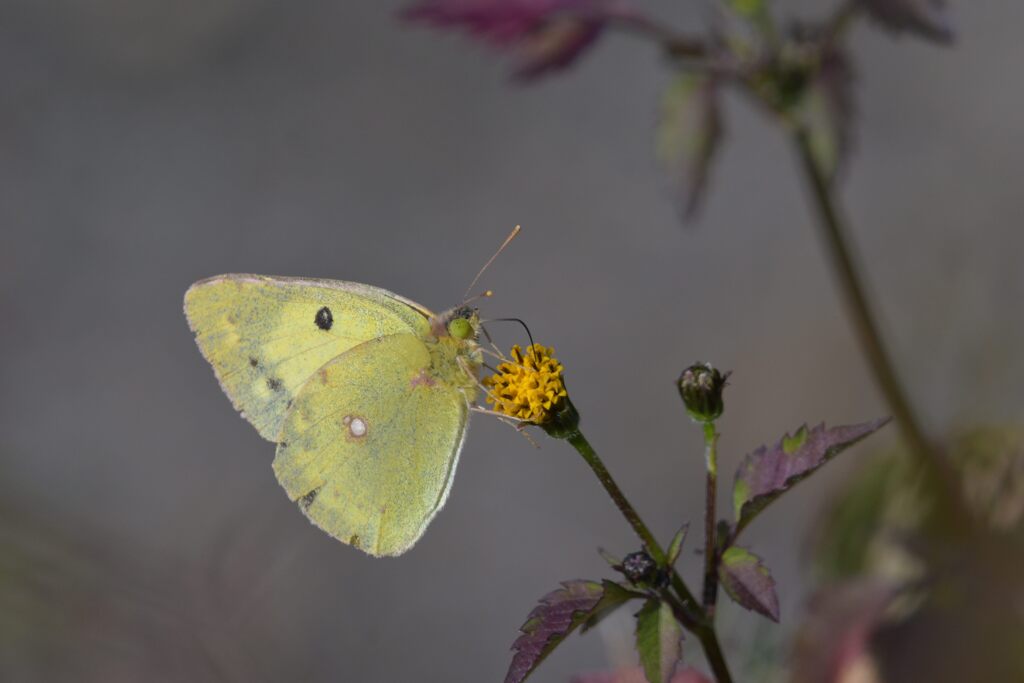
(708, 639)
(685, 610)
(580, 443)
(710, 546)
(834, 231)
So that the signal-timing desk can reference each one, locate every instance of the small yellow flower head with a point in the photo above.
(529, 387)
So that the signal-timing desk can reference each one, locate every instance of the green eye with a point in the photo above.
(460, 328)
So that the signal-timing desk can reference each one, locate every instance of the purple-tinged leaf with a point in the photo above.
(834, 636)
(659, 640)
(559, 613)
(636, 675)
(543, 35)
(828, 112)
(747, 581)
(767, 473)
(690, 129)
(927, 18)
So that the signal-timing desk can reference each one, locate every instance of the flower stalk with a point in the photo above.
(682, 602)
(711, 558)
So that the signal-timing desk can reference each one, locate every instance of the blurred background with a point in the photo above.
(145, 144)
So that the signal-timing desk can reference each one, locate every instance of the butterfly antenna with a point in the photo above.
(511, 320)
(511, 236)
(486, 294)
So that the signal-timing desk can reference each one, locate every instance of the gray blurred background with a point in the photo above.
(145, 144)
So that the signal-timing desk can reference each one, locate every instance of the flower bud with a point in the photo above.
(701, 387)
(640, 568)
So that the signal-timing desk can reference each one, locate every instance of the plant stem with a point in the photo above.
(834, 231)
(580, 443)
(684, 611)
(708, 639)
(710, 546)
(713, 653)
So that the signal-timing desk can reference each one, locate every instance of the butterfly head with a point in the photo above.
(461, 324)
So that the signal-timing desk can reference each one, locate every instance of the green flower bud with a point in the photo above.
(701, 388)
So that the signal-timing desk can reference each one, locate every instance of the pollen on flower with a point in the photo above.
(529, 387)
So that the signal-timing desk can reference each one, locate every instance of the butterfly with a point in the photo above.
(366, 394)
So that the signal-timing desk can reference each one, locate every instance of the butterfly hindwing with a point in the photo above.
(265, 336)
(369, 448)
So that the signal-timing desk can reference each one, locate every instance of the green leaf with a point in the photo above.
(689, 131)
(559, 613)
(615, 595)
(612, 561)
(767, 473)
(747, 581)
(676, 546)
(658, 640)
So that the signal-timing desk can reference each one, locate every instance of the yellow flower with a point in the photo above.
(529, 387)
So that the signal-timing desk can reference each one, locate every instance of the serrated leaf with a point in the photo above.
(747, 581)
(689, 131)
(676, 546)
(827, 111)
(767, 473)
(659, 640)
(559, 613)
(927, 18)
(615, 595)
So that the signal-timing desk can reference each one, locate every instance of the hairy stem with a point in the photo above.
(834, 231)
(686, 608)
(710, 546)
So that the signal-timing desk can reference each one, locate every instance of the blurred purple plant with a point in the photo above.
(636, 675)
(543, 35)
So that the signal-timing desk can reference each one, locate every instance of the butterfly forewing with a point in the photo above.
(265, 336)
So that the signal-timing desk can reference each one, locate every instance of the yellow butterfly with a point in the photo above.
(366, 394)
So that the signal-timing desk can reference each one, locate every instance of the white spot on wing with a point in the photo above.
(356, 425)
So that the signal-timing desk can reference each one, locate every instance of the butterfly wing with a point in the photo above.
(370, 446)
(265, 336)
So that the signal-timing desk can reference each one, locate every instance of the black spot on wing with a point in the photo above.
(324, 319)
(253, 362)
(308, 499)
(274, 384)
